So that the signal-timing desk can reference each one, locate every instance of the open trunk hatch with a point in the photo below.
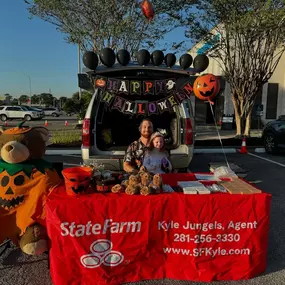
(116, 130)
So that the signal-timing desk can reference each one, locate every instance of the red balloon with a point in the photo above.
(147, 9)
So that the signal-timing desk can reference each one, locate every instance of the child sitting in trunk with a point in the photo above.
(155, 160)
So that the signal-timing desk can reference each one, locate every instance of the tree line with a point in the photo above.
(43, 99)
(73, 105)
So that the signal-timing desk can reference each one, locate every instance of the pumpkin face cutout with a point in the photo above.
(23, 192)
(206, 87)
(77, 180)
(11, 194)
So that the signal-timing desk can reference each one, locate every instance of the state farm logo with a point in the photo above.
(101, 253)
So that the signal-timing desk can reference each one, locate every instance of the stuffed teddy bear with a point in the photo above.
(133, 185)
(118, 188)
(145, 179)
(146, 190)
(156, 184)
(25, 181)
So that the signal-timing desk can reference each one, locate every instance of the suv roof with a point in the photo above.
(134, 71)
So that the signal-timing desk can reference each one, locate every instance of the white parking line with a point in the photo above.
(266, 159)
(63, 152)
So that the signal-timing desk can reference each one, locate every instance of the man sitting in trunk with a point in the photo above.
(136, 150)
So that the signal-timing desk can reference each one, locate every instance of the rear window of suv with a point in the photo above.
(13, 109)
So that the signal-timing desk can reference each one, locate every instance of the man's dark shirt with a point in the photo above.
(135, 153)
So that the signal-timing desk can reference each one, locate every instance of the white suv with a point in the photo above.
(178, 126)
(18, 112)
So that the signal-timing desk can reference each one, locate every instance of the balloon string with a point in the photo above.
(219, 134)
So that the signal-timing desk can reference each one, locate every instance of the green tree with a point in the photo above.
(14, 102)
(251, 43)
(23, 99)
(74, 105)
(8, 98)
(35, 99)
(70, 107)
(108, 23)
(62, 100)
(46, 99)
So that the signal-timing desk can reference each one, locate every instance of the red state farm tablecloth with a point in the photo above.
(116, 238)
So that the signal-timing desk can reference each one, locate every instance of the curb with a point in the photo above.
(227, 150)
(215, 150)
(62, 151)
(197, 150)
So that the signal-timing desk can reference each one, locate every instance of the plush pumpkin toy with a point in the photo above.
(25, 181)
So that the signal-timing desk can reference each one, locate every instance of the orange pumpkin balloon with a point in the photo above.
(147, 9)
(206, 87)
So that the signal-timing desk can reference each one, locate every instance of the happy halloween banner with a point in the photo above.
(145, 87)
(113, 87)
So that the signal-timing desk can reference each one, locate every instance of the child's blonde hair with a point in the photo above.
(153, 136)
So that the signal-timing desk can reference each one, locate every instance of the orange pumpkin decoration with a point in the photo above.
(24, 186)
(206, 87)
(100, 83)
(77, 179)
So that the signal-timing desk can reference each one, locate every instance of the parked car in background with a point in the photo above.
(52, 112)
(273, 135)
(18, 112)
(42, 114)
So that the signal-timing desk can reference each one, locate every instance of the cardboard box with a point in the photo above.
(238, 186)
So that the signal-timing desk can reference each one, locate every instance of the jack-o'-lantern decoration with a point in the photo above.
(100, 83)
(20, 182)
(25, 182)
(206, 87)
(77, 179)
(13, 194)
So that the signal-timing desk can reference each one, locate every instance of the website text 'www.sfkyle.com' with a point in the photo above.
(207, 251)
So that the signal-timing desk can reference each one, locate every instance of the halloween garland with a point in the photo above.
(205, 88)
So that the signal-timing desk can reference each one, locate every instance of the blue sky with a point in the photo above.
(35, 49)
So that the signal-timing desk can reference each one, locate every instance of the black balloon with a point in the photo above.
(123, 57)
(157, 57)
(170, 59)
(143, 57)
(108, 57)
(185, 60)
(201, 62)
(90, 60)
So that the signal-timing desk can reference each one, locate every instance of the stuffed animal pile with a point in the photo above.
(25, 182)
(143, 183)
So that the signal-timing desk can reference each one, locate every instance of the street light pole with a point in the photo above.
(79, 68)
(30, 85)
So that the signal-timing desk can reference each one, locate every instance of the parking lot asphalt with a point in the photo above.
(16, 268)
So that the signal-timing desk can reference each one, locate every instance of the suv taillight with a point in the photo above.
(188, 132)
(86, 133)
